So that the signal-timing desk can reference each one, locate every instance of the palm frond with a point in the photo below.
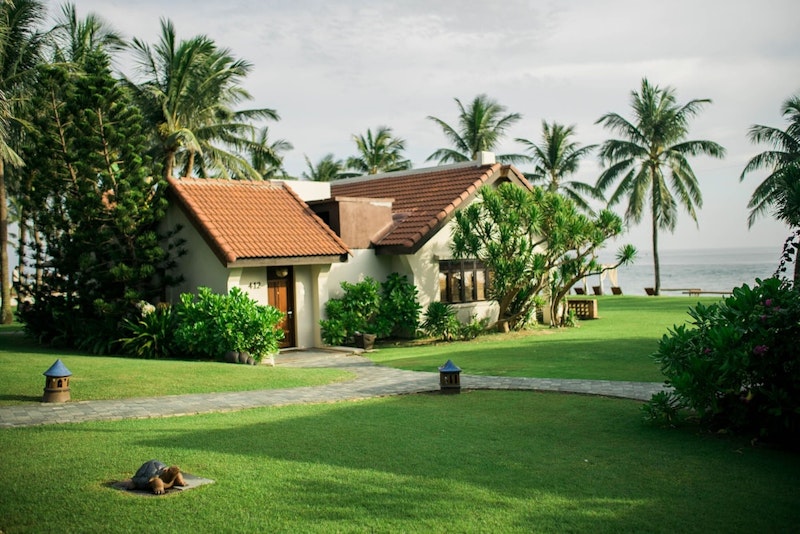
(610, 175)
(481, 126)
(618, 149)
(699, 147)
(777, 190)
(447, 155)
(638, 182)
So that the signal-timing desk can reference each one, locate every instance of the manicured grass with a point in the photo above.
(617, 346)
(22, 363)
(476, 462)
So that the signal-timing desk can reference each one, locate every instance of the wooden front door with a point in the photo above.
(280, 295)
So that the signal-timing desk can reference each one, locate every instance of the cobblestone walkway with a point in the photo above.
(371, 381)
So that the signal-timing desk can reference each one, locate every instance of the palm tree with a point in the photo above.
(326, 170)
(480, 128)
(783, 160)
(188, 93)
(654, 143)
(265, 156)
(787, 197)
(556, 158)
(73, 39)
(379, 153)
(780, 190)
(20, 44)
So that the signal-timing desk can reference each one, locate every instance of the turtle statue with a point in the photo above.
(157, 477)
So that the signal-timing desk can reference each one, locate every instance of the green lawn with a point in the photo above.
(22, 363)
(476, 462)
(481, 461)
(617, 346)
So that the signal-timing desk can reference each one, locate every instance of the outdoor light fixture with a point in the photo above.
(450, 378)
(56, 388)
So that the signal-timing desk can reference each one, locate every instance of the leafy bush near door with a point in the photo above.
(205, 325)
(355, 311)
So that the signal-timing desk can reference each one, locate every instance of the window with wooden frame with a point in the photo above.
(462, 281)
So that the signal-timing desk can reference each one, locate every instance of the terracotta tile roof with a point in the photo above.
(424, 199)
(243, 220)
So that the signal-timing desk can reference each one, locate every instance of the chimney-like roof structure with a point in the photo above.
(424, 200)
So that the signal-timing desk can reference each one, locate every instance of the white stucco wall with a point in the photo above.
(199, 266)
(251, 280)
(425, 266)
(363, 263)
(307, 298)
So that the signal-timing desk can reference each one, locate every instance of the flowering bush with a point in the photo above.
(738, 367)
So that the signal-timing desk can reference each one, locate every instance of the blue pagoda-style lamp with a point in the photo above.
(56, 387)
(450, 378)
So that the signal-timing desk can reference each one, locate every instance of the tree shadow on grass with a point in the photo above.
(406, 458)
(21, 398)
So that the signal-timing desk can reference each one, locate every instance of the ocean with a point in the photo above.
(706, 269)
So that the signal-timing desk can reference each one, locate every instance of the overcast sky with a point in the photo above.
(335, 68)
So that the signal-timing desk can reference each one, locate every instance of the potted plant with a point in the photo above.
(364, 341)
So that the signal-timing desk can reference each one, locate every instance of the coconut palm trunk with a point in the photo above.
(656, 259)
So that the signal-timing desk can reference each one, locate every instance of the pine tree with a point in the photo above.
(103, 199)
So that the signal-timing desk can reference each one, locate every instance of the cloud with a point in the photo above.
(333, 69)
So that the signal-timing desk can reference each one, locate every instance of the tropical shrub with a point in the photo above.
(474, 328)
(356, 311)
(440, 321)
(151, 333)
(209, 325)
(664, 408)
(399, 307)
(737, 367)
(370, 307)
(334, 328)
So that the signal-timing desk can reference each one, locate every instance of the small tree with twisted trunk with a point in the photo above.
(532, 242)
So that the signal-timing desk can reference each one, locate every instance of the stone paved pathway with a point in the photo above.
(371, 381)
